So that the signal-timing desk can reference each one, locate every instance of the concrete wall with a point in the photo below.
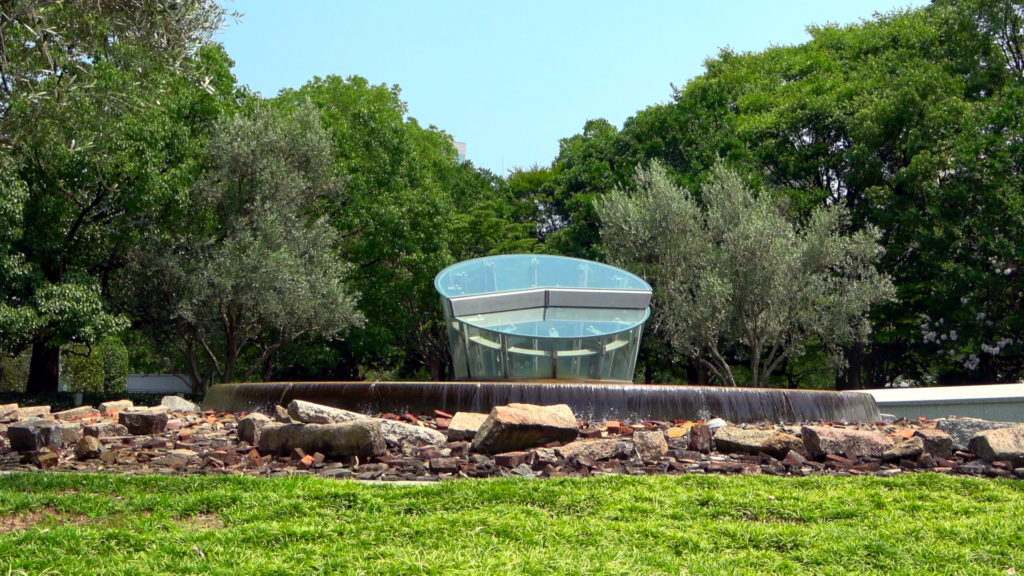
(990, 401)
(159, 383)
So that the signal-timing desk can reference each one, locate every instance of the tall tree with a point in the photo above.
(81, 85)
(258, 269)
(733, 275)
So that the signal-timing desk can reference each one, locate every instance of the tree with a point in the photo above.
(81, 119)
(257, 269)
(732, 274)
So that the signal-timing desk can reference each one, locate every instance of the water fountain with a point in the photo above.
(548, 330)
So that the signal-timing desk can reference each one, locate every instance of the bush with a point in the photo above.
(115, 366)
(83, 368)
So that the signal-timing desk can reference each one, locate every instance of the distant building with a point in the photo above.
(460, 147)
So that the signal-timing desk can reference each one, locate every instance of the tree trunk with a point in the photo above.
(44, 370)
(435, 366)
(851, 379)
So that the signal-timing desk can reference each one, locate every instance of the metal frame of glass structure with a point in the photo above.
(540, 317)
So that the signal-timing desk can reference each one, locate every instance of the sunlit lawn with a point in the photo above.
(918, 524)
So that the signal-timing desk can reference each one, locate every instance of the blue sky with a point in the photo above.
(512, 78)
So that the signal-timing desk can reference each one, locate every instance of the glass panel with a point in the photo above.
(525, 271)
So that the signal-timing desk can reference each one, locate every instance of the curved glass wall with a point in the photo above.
(539, 317)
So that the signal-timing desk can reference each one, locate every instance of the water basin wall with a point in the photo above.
(591, 402)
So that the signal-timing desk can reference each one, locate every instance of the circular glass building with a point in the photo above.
(538, 317)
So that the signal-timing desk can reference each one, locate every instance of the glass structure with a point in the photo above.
(538, 317)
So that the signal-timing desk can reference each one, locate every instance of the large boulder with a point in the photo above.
(754, 441)
(522, 426)
(936, 442)
(961, 430)
(178, 404)
(32, 434)
(88, 448)
(593, 449)
(312, 413)
(908, 449)
(397, 433)
(356, 438)
(250, 426)
(140, 421)
(464, 425)
(823, 440)
(650, 444)
(1000, 444)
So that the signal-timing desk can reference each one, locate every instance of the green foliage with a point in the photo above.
(83, 368)
(115, 365)
(732, 271)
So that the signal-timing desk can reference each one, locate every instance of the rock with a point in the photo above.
(444, 465)
(116, 406)
(33, 433)
(936, 442)
(716, 423)
(521, 426)
(355, 438)
(512, 459)
(144, 421)
(700, 438)
(105, 429)
(1000, 444)
(592, 449)
(752, 441)
(76, 413)
(463, 425)
(33, 412)
(70, 432)
(963, 429)
(395, 433)
(311, 413)
(250, 426)
(88, 448)
(906, 450)
(650, 444)
(822, 440)
(8, 412)
(178, 404)
(46, 458)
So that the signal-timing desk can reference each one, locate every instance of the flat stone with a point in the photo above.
(250, 426)
(105, 430)
(936, 442)
(1006, 444)
(88, 448)
(76, 413)
(146, 421)
(312, 413)
(593, 449)
(650, 443)
(356, 438)
(444, 465)
(522, 426)
(906, 450)
(463, 425)
(32, 434)
(961, 430)
(178, 404)
(396, 432)
(116, 406)
(70, 432)
(33, 412)
(822, 440)
(753, 441)
(8, 412)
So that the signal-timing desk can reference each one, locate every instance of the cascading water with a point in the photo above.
(592, 402)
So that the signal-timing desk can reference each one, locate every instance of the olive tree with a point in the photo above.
(733, 276)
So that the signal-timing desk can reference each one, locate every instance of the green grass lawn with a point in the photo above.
(916, 524)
